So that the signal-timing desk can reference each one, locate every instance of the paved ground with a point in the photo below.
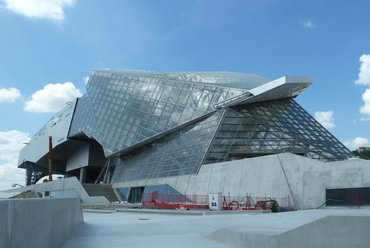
(129, 229)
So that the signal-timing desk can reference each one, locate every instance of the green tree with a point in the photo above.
(362, 152)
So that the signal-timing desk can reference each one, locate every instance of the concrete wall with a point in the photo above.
(289, 178)
(63, 188)
(68, 184)
(41, 223)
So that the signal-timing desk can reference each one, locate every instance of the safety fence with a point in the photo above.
(247, 202)
(155, 200)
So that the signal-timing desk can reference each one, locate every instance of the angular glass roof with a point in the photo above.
(238, 80)
(272, 127)
(129, 107)
(225, 79)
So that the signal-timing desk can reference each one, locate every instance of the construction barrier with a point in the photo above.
(156, 200)
(248, 203)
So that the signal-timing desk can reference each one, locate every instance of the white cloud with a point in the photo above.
(11, 142)
(308, 24)
(325, 118)
(356, 143)
(365, 109)
(364, 74)
(9, 94)
(52, 98)
(43, 9)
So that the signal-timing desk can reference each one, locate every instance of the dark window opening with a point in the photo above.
(348, 197)
(136, 194)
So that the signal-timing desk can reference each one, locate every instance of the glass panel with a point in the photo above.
(179, 153)
(117, 106)
(273, 127)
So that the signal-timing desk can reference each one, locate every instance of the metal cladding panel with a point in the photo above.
(78, 159)
(57, 127)
(284, 87)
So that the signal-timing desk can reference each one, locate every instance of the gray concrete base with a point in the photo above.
(327, 232)
(294, 181)
(41, 223)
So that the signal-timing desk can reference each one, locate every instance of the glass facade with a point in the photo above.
(158, 113)
(180, 153)
(83, 119)
(273, 127)
(150, 192)
(122, 109)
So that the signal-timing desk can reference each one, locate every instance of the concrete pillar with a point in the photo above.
(82, 174)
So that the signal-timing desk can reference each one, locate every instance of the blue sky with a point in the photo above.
(49, 47)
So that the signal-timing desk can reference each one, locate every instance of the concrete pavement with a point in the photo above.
(124, 229)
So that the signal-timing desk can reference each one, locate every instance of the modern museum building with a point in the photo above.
(196, 133)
